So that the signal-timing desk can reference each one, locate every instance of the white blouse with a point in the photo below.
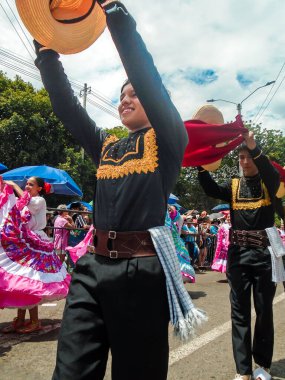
(37, 207)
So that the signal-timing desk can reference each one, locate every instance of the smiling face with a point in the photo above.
(247, 164)
(32, 187)
(131, 111)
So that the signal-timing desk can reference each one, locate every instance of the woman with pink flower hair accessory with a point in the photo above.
(30, 271)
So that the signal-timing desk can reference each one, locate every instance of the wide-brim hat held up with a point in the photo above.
(66, 26)
(209, 114)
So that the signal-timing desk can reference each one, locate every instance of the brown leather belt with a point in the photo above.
(256, 238)
(122, 245)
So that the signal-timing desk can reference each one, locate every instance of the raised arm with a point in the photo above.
(66, 105)
(15, 187)
(268, 173)
(146, 81)
(211, 188)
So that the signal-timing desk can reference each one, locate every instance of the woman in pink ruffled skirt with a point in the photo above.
(30, 271)
(221, 253)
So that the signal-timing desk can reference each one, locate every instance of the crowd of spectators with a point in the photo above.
(67, 226)
(199, 233)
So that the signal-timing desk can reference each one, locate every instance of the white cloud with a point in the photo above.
(226, 36)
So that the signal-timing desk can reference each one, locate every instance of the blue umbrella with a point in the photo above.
(87, 205)
(60, 181)
(3, 167)
(222, 207)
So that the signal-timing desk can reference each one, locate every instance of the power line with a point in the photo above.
(74, 83)
(16, 58)
(22, 29)
(257, 116)
(270, 100)
(103, 99)
(20, 70)
(103, 108)
(16, 31)
(34, 75)
(96, 94)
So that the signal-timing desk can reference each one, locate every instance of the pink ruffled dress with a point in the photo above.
(30, 271)
(221, 253)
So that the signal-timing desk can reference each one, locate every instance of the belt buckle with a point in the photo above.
(113, 254)
(112, 235)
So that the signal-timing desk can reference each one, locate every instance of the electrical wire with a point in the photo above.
(34, 75)
(103, 108)
(22, 29)
(257, 116)
(18, 59)
(20, 70)
(10, 56)
(270, 100)
(14, 58)
(16, 30)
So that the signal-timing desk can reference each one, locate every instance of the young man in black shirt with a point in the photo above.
(118, 297)
(252, 207)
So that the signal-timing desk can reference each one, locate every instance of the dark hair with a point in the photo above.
(127, 81)
(242, 147)
(41, 183)
(74, 205)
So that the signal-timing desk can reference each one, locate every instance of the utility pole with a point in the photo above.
(83, 93)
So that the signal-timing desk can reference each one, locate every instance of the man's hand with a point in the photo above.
(249, 140)
(39, 47)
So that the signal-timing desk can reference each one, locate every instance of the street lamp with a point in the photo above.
(239, 104)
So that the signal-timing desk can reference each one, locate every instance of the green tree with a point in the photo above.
(30, 134)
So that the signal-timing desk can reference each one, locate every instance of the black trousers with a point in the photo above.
(119, 305)
(250, 269)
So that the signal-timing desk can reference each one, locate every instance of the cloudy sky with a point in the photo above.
(222, 49)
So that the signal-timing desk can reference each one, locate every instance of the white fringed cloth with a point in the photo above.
(184, 316)
(277, 250)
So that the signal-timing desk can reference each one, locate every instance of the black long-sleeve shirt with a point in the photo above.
(135, 174)
(252, 199)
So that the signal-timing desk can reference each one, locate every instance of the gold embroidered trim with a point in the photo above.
(110, 139)
(148, 163)
(239, 204)
(254, 158)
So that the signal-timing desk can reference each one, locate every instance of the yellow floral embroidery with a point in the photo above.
(254, 203)
(110, 139)
(148, 163)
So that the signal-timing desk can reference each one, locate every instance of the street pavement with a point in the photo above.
(207, 356)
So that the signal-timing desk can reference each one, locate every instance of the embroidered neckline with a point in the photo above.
(239, 203)
(147, 163)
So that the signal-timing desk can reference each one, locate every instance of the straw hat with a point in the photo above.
(66, 26)
(210, 115)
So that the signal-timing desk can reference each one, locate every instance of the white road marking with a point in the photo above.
(188, 348)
